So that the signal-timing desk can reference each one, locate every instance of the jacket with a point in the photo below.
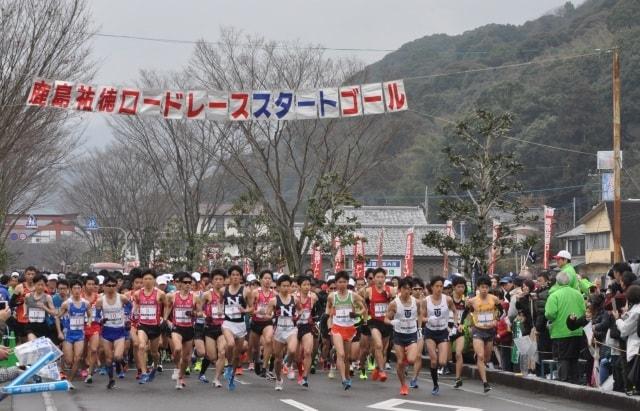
(628, 326)
(563, 302)
(573, 278)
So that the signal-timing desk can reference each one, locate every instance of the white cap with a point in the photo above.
(352, 282)
(162, 280)
(563, 254)
(196, 276)
(331, 277)
(84, 275)
(100, 279)
(52, 277)
(251, 278)
(15, 274)
(447, 283)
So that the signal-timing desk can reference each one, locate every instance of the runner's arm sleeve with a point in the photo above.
(13, 302)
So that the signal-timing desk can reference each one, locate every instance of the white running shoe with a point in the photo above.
(279, 384)
(175, 375)
(291, 375)
(216, 383)
(332, 374)
(178, 385)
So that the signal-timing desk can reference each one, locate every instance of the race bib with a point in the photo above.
(148, 312)
(76, 323)
(485, 318)
(232, 311)
(285, 322)
(380, 309)
(343, 313)
(262, 310)
(305, 315)
(181, 315)
(217, 310)
(36, 315)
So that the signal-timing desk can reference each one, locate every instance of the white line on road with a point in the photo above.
(298, 405)
(49, 405)
(241, 382)
(390, 405)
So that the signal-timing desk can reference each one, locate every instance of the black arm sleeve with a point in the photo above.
(13, 302)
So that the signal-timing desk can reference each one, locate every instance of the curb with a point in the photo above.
(574, 392)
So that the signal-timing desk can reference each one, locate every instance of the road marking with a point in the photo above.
(241, 382)
(390, 405)
(298, 405)
(49, 405)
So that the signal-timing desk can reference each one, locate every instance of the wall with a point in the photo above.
(598, 224)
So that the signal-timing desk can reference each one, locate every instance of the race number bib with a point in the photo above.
(380, 309)
(232, 311)
(148, 313)
(485, 319)
(76, 323)
(285, 322)
(181, 315)
(36, 315)
(305, 315)
(342, 314)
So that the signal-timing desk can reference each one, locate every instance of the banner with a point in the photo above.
(494, 247)
(448, 233)
(240, 105)
(548, 224)
(408, 255)
(316, 262)
(358, 257)
(380, 248)
(338, 263)
(248, 267)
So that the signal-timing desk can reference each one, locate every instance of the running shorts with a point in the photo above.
(187, 333)
(259, 326)
(484, 334)
(152, 331)
(281, 335)
(438, 336)
(238, 329)
(113, 334)
(213, 331)
(384, 329)
(405, 340)
(347, 333)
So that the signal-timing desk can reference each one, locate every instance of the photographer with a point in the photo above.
(627, 323)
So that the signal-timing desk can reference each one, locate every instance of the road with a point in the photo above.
(256, 394)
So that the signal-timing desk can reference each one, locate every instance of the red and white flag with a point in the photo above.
(316, 261)
(494, 247)
(248, 267)
(548, 225)
(358, 257)
(338, 263)
(380, 248)
(408, 255)
(449, 233)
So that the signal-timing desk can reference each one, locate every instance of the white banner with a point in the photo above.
(264, 105)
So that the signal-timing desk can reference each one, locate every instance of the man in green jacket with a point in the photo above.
(563, 259)
(561, 304)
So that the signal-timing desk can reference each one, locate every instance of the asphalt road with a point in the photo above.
(256, 394)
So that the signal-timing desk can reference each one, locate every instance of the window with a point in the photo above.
(598, 241)
(576, 247)
(219, 225)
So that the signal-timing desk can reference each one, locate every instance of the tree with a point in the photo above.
(47, 38)
(120, 191)
(184, 158)
(283, 162)
(483, 183)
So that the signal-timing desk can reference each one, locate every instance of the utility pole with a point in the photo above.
(426, 203)
(617, 250)
(574, 212)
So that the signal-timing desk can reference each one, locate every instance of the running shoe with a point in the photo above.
(152, 374)
(332, 374)
(216, 383)
(279, 384)
(257, 368)
(487, 387)
(371, 364)
(363, 375)
(197, 367)
(102, 370)
(232, 383)
(159, 368)
(435, 390)
(269, 375)
(203, 379)
(88, 380)
(121, 374)
(346, 384)
(387, 366)
(251, 366)
(404, 390)
(175, 374)
(187, 371)
(413, 383)
(84, 373)
(72, 387)
(440, 370)
(178, 385)
(144, 378)
(138, 374)
(458, 383)
(300, 379)
(383, 376)
(111, 385)
(375, 375)
(285, 369)
(291, 375)
(305, 382)
(239, 371)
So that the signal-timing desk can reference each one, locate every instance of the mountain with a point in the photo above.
(562, 101)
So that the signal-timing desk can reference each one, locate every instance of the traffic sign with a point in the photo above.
(92, 224)
(22, 236)
(13, 236)
(32, 223)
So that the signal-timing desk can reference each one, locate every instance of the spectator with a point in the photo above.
(628, 279)
(540, 330)
(563, 259)
(507, 285)
(4, 288)
(564, 301)
(628, 326)
(13, 281)
(601, 321)
(514, 294)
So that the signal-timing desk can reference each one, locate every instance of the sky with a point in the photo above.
(379, 24)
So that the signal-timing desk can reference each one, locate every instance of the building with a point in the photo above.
(591, 241)
(395, 221)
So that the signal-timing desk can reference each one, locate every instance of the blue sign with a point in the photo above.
(13, 236)
(32, 223)
(393, 267)
(92, 224)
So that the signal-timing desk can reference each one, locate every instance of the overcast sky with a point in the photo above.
(379, 24)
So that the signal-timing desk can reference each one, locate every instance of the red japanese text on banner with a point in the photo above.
(394, 96)
(350, 101)
(316, 262)
(548, 226)
(338, 262)
(372, 98)
(217, 106)
(408, 255)
(151, 104)
(40, 92)
(239, 106)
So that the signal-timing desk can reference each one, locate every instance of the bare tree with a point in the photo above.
(283, 162)
(38, 38)
(122, 192)
(184, 158)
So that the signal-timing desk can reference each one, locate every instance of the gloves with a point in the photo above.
(352, 315)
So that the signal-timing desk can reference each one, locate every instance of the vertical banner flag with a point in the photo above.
(408, 255)
(359, 257)
(248, 267)
(449, 233)
(316, 261)
(548, 224)
(494, 247)
(338, 263)
(380, 248)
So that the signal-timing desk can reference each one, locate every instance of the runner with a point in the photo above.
(213, 306)
(182, 307)
(111, 303)
(92, 329)
(402, 314)
(306, 329)
(71, 319)
(148, 303)
(484, 308)
(39, 305)
(419, 293)
(378, 295)
(261, 323)
(360, 351)
(202, 361)
(436, 331)
(135, 276)
(238, 301)
(457, 333)
(21, 291)
(283, 306)
(343, 306)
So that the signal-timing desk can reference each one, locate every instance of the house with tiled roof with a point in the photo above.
(395, 222)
